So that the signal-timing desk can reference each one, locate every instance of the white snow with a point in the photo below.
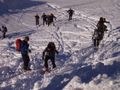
(79, 66)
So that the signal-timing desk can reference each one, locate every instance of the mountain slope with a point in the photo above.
(79, 66)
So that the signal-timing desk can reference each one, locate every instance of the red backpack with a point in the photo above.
(18, 44)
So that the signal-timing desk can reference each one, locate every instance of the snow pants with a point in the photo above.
(46, 61)
(37, 21)
(26, 61)
(96, 42)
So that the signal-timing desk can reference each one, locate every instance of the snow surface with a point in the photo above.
(79, 66)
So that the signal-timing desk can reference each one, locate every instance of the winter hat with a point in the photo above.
(26, 38)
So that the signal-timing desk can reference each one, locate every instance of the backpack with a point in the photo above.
(50, 50)
(18, 44)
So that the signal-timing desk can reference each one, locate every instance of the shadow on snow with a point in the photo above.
(14, 6)
(86, 74)
(20, 34)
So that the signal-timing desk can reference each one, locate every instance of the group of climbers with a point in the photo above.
(50, 51)
(48, 19)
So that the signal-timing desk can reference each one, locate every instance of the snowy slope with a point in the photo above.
(79, 66)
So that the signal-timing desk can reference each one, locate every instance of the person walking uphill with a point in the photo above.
(49, 53)
(24, 52)
(99, 32)
(101, 27)
(44, 18)
(70, 12)
(50, 19)
(37, 19)
(4, 31)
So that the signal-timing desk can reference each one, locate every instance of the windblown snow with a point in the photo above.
(79, 66)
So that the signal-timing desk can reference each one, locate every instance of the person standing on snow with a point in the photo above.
(44, 18)
(70, 12)
(51, 19)
(101, 27)
(49, 53)
(37, 19)
(4, 31)
(99, 32)
(24, 52)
